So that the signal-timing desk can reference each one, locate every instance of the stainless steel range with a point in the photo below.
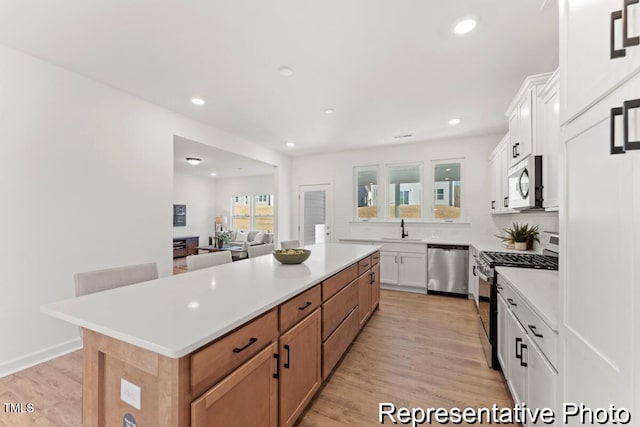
(488, 293)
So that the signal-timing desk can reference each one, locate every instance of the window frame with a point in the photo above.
(387, 178)
(432, 182)
(379, 194)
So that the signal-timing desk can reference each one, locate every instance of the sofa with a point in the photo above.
(250, 237)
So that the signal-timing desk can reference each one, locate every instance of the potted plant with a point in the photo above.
(521, 235)
(223, 238)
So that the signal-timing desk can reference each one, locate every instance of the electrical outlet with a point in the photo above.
(130, 393)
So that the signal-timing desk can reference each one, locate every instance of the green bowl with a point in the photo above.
(285, 258)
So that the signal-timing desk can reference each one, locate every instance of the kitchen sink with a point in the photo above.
(398, 239)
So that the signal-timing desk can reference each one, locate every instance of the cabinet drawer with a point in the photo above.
(375, 258)
(337, 308)
(363, 265)
(544, 337)
(297, 308)
(338, 281)
(530, 322)
(334, 347)
(213, 362)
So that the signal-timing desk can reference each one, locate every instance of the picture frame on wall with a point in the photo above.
(179, 215)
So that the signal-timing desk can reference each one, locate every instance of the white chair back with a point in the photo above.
(196, 262)
(102, 280)
(260, 250)
(290, 244)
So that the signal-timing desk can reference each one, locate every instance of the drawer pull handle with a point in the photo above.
(534, 330)
(614, 149)
(277, 374)
(251, 341)
(365, 265)
(522, 362)
(511, 302)
(626, 40)
(613, 53)
(474, 272)
(518, 341)
(499, 287)
(288, 362)
(305, 306)
(629, 105)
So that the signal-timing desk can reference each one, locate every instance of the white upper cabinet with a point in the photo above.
(499, 166)
(522, 120)
(549, 111)
(593, 55)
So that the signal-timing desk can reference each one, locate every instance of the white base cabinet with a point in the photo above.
(404, 269)
(531, 377)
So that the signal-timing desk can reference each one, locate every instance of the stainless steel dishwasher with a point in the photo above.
(448, 269)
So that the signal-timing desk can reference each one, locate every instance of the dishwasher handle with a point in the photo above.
(448, 247)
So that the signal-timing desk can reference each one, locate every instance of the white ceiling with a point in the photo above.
(387, 67)
(223, 163)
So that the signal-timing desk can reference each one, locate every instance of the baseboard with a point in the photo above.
(40, 356)
(415, 290)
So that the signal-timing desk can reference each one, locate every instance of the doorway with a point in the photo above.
(316, 214)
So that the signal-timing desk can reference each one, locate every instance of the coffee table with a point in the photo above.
(236, 251)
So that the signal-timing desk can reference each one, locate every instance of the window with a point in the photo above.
(263, 212)
(405, 191)
(447, 190)
(241, 212)
(252, 216)
(366, 191)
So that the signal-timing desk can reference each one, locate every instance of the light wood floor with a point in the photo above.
(416, 351)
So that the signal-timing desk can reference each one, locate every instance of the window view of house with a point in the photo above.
(252, 212)
(447, 187)
(263, 212)
(241, 212)
(366, 193)
(405, 191)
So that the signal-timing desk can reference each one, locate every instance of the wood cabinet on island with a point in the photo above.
(245, 343)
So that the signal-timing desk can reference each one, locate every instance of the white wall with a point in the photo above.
(198, 193)
(86, 182)
(337, 169)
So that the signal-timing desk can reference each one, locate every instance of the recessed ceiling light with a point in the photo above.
(213, 174)
(193, 160)
(285, 71)
(448, 169)
(454, 122)
(329, 111)
(290, 144)
(464, 26)
(198, 101)
(446, 179)
(193, 305)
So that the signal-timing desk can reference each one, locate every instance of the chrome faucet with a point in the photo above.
(404, 233)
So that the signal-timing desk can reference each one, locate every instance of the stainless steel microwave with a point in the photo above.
(525, 184)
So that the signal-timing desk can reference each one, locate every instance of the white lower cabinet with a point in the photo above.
(517, 367)
(531, 377)
(503, 337)
(404, 269)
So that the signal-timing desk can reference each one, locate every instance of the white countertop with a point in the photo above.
(175, 315)
(539, 289)
(494, 245)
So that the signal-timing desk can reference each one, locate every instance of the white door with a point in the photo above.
(541, 380)
(413, 270)
(517, 359)
(503, 338)
(389, 268)
(315, 214)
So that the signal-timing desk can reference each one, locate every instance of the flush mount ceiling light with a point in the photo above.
(198, 101)
(285, 71)
(464, 26)
(329, 111)
(454, 122)
(193, 160)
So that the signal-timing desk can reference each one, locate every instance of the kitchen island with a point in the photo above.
(195, 349)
